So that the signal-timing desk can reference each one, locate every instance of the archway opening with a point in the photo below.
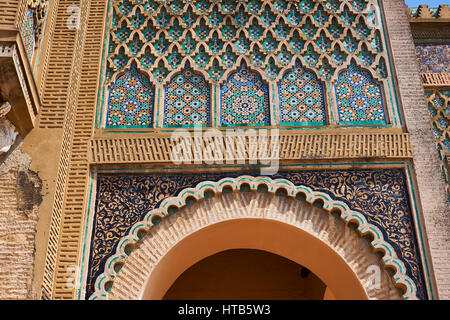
(255, 234)
(246, 274)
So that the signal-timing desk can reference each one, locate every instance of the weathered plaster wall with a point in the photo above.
(44, 146)
(20, 197)
(27, 184)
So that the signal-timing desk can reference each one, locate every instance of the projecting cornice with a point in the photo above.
(17, 84)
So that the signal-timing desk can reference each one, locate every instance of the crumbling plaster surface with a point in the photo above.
(20, 197)
(8, 133)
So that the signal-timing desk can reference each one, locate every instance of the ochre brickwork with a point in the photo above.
(58, 106)
(8, 12)
(16, 242)
(46, 46)
(78, 169)
(430, 185)
(54, 98)
(431, 34)
(69, 201)
(20, 188)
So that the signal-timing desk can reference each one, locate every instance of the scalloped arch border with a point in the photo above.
(203, 191)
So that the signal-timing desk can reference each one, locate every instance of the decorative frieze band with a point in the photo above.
(247, 147)
(435, 79)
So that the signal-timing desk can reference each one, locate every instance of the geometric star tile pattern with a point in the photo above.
(245, 99)
(131, 100)
(359, 97)
(324, 35)
(269, 33)
(187, 100)
(301, 98)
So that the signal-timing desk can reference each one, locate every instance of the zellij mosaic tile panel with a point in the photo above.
(269, 37)
(187, 100)
(28, 34)
(301, 98)
(359, 97)
(245, 99)
(131, 100)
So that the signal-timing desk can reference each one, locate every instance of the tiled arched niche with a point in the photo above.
(305, 64)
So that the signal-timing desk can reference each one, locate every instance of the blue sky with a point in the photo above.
(430, 3)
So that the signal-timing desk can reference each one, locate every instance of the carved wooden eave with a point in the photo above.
(17, 84)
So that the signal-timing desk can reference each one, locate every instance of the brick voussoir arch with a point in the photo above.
(148, 244)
